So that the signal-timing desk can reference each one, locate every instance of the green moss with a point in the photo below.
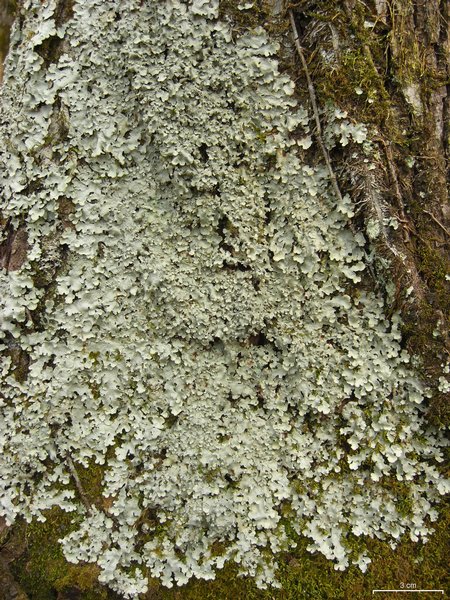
(83, 578)
(91, 478)
(352, 72)
(94, 387)
(409, 56)
(434, 268)
(402, 495)
(421, 321)
(43, 562)
(244, 19)
(43, 571)
(304, 576)
(94, 357)
(355, 78)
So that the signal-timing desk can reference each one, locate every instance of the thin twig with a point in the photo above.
(76, 478)
(315, 108)
(393, 175)
(427, 212)
(313, 99)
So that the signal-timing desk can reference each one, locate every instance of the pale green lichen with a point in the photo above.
(205, 340)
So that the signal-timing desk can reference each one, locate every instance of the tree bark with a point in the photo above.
(385, 62)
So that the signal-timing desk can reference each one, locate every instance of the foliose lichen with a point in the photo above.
(204, 337)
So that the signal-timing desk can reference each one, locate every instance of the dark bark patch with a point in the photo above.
(7, 13)
(70, 593)
(21, 362)
(258, 339)
(12, 547)
(65, 209)
(203, 149)
(64, 12)
(50, 49)
(14, 248)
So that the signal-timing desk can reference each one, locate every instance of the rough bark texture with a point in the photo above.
(386, 62)
(12, 545)
(7, 11)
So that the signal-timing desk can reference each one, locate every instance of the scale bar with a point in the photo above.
(408, 591)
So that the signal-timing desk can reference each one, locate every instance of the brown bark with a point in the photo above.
(395, 54)
(12, 546)
(7, 12)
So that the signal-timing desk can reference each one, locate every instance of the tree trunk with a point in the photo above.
(387, 64)
(384, 64)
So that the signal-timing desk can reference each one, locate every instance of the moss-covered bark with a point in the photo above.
(387, 64)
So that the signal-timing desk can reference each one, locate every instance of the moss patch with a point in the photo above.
(304, 576)
(42, 570)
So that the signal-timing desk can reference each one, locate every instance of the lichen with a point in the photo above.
(202, 341)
